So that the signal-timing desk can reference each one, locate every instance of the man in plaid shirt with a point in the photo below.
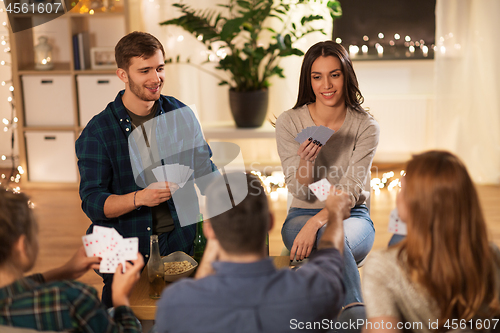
(117, 186)
(52, 301)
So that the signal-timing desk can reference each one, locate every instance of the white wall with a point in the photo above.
(400, 95)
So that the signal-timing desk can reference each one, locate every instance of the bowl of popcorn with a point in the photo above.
(178, 265)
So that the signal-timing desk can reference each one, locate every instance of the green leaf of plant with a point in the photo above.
(231, 28)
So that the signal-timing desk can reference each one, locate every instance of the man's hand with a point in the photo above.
(211, 255)
(123, 282)
(155, 194)
(339, 202)
(338, 206)
(78, 265)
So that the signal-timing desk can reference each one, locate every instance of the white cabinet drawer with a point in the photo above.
(51, 156)
(48, 100)
(95, 92)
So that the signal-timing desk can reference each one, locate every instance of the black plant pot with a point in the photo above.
(249, 108)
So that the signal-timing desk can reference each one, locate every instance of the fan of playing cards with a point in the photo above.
(320, 134)
(108, 244)
(173, 173)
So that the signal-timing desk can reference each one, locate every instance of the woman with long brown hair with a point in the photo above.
(328, 96)
(446, 274)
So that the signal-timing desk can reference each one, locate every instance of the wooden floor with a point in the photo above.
(62, 224)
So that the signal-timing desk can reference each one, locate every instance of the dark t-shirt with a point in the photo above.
(162, 219)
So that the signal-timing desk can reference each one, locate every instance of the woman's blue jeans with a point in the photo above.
(359, 236)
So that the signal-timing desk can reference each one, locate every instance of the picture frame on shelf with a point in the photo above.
(102, 58)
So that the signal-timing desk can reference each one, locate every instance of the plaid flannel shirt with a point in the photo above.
(105, 166)
(68, 306)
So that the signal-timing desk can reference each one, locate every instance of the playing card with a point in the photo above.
(173, 173)
(322, 134)
(92, 245)
(110, 262)
(321, 189)
(104, 237)
(160, 174)
(396, 225)
(305, 134)
(130, 248)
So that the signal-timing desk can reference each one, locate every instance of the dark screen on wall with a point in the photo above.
(363, 20)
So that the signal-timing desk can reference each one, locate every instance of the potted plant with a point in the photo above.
(249, 61)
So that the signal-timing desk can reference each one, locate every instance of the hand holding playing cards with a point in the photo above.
(78, 265)
(124, 282)
(309, 150)
(155, 194)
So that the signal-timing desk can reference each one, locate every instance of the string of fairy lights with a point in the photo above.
(12, 178)
(275, 185)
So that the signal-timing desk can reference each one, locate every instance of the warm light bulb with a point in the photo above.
(397, 36)
(11, 88)
(380, 35)
(15, 119)
(5, 121)
(3, 159)
(338, 40)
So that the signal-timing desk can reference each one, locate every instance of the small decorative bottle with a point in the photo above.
(156, 271)
(199, 240)
(43, 54)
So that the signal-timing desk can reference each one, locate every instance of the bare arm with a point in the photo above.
(305, 239)
(156, 193)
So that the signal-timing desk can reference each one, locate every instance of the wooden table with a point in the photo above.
(145, 308)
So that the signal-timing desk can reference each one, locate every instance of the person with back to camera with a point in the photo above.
(52, 301)
(238, 289)
(328, 96)
(445, 274)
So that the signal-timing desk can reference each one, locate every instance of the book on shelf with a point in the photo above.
(76, 53)
(81, 50)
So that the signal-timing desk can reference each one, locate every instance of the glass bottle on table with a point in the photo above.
(199, 240)
(156, 272)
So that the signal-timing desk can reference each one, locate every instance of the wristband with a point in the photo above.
(135, 193)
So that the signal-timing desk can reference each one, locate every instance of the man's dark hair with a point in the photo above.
(243, 228)
(136, 44)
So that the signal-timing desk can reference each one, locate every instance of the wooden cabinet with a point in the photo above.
(47, 101)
